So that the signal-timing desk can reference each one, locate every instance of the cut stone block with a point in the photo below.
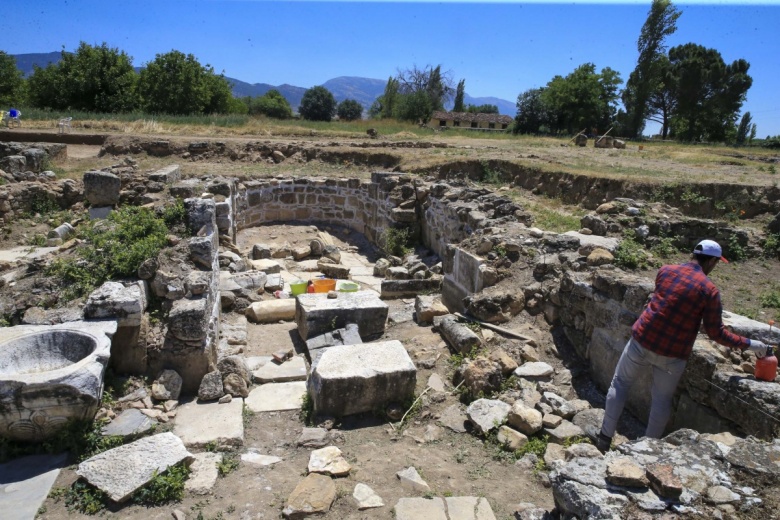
(269, 311)
(204, 473)
(409, 288)
(25, 483)
(168, 174)
(461, 338)
(371, 374)
(292, 370)
(266, 265)
(272, 397)
(199, 424)
(427, 307)
(317, 314)
(273, 282)
(120, 471)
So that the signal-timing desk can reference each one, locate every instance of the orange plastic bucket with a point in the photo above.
(324, 285)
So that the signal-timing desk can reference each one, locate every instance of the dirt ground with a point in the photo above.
(452, 463)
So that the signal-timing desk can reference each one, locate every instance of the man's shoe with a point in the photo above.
(601, 441)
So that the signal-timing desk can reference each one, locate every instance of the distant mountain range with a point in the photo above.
(362, 90)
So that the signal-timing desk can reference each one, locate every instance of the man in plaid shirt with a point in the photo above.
(663, 336)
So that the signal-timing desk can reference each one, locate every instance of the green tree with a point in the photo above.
(661, 22)
(271, 104)
(662, 103)
(415, 107)
(349, 110)
(92, 79)
(176, 83)
(532, 116)
(460, 93)
(431, 81)
(583, 99)
(746, 130)
(709, 94)
(389, 99)
(12, 86)
(482, 109)
(318, 104)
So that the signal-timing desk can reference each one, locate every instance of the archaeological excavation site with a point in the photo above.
(368, 328)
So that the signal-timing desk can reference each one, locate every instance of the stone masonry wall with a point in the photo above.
(388, 200)
(597, 310)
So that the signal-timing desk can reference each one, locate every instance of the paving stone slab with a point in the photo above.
(199, 424)
(25, 483)
(272, 397)
(204, 473)
(469, 508)
(130, 423)
(420, 509)
(291, 370)
(120, 471)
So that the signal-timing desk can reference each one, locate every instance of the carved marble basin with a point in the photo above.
(51, 374)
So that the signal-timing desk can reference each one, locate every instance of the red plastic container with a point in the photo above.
(766, 367)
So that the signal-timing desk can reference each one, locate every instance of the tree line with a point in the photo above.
(689, 90)
(102, 79)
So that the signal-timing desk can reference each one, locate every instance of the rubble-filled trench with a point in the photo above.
(548, 317)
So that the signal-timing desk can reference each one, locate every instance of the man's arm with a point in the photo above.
(713, 324)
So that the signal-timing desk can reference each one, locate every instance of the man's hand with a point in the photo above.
(758, 348)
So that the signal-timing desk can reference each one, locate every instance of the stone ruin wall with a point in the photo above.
(597, 310)
(192, 328)
(387, 201)
(596, 313)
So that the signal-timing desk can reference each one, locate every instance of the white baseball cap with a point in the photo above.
(709, 248)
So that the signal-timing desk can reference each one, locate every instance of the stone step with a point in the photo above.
(273, 372)
(273, 397)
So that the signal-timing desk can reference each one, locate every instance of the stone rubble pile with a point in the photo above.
(685, 473)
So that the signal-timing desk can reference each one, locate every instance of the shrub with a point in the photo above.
(394, 241)
(664, 248)
(736, 251)
(771, 298)
(163, 488)
(630, 254)
(772, 246)
(115, 248)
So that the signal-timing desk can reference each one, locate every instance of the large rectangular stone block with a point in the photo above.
(407, 288)
(351, 379)
(317, 314)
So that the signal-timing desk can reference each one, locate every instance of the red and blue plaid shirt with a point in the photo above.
(683, 297)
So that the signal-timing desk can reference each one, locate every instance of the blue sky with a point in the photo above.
(500, 48)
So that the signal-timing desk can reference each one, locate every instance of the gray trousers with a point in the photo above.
(666, 375)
